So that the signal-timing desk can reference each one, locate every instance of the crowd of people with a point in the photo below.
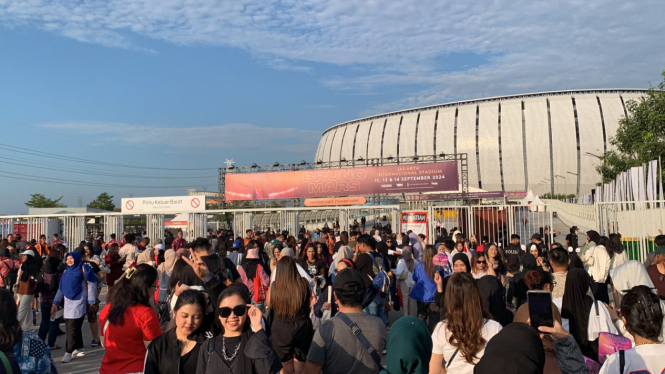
(315, 302)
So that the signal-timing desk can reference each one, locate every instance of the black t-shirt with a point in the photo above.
(189, 361)
(219, 268)
(316, 268)
(232, 345)
(365, 267)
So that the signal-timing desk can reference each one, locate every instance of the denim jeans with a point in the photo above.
(47, 327)
(377, 308)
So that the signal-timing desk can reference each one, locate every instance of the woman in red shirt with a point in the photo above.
(129, 321)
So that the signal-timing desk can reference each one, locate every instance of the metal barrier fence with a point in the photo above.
(72, 227)
(638, 222)
(496, 222)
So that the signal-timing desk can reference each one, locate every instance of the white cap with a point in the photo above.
(159, 247)
(28, 252)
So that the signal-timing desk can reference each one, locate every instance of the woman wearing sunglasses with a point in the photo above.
(243, 347)
(479, 265)
(177, 350)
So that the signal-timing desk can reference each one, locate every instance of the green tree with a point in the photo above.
(640, 137)
(104, 201)
(38, 200)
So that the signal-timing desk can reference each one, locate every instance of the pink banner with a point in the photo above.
(371, 180)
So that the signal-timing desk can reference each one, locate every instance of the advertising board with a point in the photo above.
(371, 180)
(415, 221)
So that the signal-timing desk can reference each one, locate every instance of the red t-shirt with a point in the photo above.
(125, 351)
(178, 243)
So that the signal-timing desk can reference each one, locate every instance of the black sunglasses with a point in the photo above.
(481, 262)
(239, 311)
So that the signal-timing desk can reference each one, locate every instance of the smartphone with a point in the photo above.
(540, 308)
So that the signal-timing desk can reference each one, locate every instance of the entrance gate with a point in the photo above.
(496, 222)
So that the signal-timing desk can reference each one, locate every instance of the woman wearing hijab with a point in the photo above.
(516, 349)
(581, 314)
(416, 246)
(164, 271)
(404, 273)
(27, 287)
(251, 267)
(528, 263)
(409, 347)
(78, 289)
(624, 278)
(461, 264)
(344, 252)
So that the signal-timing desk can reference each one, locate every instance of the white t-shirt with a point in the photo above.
(643, 359)
(441, 346)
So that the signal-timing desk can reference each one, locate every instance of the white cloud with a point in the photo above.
(229, 136)
(526, 45)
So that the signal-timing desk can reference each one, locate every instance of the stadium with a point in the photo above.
(513, 143)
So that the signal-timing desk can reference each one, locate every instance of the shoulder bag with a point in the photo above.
(363, 340)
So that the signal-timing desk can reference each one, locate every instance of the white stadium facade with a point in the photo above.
(512, 143)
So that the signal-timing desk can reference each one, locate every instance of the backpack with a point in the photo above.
(381, 281)
(223, 274)
(12, 276)
(49, 283)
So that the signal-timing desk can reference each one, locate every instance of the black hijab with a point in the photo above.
(516, 349)
(575, 261)
(464, 258)
(490, 288)
(576, 307)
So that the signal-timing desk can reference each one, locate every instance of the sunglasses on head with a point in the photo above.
(239, 311)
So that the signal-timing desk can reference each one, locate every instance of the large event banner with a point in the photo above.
(393, 179)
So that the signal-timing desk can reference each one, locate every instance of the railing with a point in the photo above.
(582, 216)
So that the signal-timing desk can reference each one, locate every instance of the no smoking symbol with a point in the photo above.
(195, 203)
(129, 205)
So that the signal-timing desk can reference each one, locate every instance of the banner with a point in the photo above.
(371, 180)
(415, 221)
(166, 204)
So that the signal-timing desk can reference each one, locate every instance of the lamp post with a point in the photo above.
(578, 181)
(547, 180)
(565, 183)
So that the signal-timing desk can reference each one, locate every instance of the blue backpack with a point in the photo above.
(381, 281)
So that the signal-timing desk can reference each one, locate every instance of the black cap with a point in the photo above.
(349, 280)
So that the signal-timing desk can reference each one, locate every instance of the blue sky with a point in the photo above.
(184, 85)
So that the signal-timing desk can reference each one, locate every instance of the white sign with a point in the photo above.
(164, 204)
